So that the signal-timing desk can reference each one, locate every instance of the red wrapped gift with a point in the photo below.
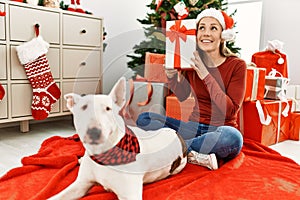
(179, 110)
(255, 85)
(295, 126)
(154, 68)
(180, 43)
(265, 121)
(271, 60)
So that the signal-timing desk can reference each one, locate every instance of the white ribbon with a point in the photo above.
(263, 120)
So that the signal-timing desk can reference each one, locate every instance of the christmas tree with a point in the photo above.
(155, 24)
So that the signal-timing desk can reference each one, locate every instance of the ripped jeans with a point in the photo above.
(225, 141)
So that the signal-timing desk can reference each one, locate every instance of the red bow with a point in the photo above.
(176, 33)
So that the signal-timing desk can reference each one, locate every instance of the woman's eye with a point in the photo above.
(214, 28)
(201, 28)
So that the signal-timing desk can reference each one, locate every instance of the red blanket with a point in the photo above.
(257, 173)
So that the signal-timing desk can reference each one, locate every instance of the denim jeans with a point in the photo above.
(225, 141)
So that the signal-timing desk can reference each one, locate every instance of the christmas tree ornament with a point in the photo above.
(181, 10)
(158, 3)
(193, 2)
(32, 56)
(2, 92)
(226, 22)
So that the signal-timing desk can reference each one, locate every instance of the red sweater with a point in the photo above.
(218, 96)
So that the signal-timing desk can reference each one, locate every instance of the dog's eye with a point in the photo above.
(84, 107)
(108, 108)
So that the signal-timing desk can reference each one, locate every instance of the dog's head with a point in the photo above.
(97, 119)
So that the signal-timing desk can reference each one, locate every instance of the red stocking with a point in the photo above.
(2, 92)
(32, 55)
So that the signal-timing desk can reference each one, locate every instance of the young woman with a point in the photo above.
(217, 83)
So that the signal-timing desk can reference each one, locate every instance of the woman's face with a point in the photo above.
(209, 34)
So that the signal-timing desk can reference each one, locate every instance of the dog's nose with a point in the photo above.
(94, 134)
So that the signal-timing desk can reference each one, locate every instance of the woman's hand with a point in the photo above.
(199, 66)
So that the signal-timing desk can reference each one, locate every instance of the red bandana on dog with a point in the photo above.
(124, 152)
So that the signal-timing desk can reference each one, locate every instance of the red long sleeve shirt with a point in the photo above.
(218, 96)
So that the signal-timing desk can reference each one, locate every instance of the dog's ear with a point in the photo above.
(118, 92)
(71, 99)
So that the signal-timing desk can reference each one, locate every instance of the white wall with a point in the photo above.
(279, 21)
(123, 32)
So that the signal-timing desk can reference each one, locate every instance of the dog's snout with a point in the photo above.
(94, 134)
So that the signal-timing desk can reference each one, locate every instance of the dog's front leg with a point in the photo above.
(80, 186)
(73, 192)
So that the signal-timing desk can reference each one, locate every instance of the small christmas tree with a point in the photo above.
(155, 24)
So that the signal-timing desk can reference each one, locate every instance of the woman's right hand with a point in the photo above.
(171, 72)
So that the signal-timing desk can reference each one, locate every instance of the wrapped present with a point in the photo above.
(180, 43)
(265, 121)
(179, 110)
(276, 87)
(272, 58)
(255, 85)
(144, 97)
(295, 126)
(154, 67)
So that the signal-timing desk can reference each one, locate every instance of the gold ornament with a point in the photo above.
(193, 2)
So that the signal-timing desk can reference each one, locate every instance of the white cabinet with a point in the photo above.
(74, 56)
(2, 22)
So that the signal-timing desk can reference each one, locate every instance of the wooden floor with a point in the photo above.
(15, 145)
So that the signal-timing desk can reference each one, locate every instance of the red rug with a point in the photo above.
(257, 173)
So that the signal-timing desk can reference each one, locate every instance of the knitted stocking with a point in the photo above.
(2, 92)
(32, 55)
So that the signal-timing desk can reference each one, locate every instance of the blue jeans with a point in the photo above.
(225, 141)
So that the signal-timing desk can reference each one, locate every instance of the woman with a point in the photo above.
(217, 83)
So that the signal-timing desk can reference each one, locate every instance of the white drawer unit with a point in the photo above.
(83, 62)
(83, 33)
(22, 21)
(74, 56)
(3, 105)
(2, 23)
(2, 61)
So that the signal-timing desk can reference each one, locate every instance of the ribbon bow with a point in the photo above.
(176, 33)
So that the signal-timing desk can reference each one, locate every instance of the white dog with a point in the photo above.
(119, 157)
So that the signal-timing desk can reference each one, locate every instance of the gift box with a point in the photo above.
(179, 110)
(265, 121)
(275, 87)
(144, 97)
(295, 126)
(154, 67)
(180, 43)
(255, 85)
(271, 60)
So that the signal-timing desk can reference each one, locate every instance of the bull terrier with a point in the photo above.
(119, 157)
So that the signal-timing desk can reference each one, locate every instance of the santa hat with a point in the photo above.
(226, 22)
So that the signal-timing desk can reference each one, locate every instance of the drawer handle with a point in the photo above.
(2, 13)
(83, 64)
(83, 31)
